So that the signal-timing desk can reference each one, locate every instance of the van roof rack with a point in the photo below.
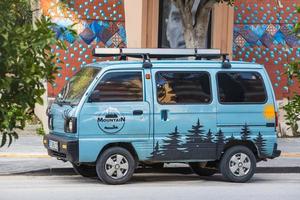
(147, 53)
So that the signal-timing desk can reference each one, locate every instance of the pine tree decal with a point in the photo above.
(220, 138)
(209, 137)
(232, 138)
(197, 134)
(156, 152)
(260, 143)
(194, 140)
(245, 133)
(171, 149)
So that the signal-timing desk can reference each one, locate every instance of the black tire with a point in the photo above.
(85, 170)
(201, 170)
(247, 171)
(109, 154)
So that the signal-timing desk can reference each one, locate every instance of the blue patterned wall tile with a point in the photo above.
(280, 37)
(95, 27)
(267, 40)
(258, 30)
(87, 35)
(292, 41)
(68, 36)
(249, 35)
(122, 32)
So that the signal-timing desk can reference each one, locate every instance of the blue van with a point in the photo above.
(215, 115)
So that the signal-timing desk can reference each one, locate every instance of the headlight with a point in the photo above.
(71, 125)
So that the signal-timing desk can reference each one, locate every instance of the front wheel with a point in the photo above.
(115, 166)
(85, 170)
(238, 164)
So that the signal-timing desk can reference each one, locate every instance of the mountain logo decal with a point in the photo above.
(111, 121)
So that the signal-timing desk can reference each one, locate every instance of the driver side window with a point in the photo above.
(119, 87)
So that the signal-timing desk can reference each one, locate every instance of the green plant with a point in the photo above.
(293, 70)
(297, 26)
(40, 130)
(292, 115)
(26, 61)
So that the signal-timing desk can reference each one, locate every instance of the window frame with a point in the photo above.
(174, 104)
(241, 103)
(119, 71)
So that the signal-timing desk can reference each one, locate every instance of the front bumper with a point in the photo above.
(67, 148)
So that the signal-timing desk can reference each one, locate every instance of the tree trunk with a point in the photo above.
(195, 35)
(189, 38)
(201, 27)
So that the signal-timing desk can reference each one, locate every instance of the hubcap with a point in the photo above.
(116, 166)
(239, 164)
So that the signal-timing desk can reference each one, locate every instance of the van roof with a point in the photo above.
(120, 64)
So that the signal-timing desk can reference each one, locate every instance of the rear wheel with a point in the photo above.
(238, 164)
(85, 170)
(115, 166)
(202, 169)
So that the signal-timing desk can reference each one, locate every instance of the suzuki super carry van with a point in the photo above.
(215, 115)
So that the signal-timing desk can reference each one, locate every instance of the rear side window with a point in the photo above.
(241, 87)
(183, 87)
(119, 87)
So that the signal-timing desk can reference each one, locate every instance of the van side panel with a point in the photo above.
(253, 122)
(107, 123)
(183, 131)
(271, 135)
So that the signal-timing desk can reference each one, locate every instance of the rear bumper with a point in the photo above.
(276, 153)
(67, 148)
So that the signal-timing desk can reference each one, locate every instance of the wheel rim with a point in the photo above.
(116, 166)
(240, 164)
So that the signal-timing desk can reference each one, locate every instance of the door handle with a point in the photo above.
(270, 124)
(137, 112)
(164, 115)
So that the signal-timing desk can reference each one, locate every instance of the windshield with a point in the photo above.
(76, 87)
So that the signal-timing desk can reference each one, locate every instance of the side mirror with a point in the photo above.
(94, 97)
(59, 97)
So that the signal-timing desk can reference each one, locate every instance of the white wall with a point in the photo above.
(133, 22)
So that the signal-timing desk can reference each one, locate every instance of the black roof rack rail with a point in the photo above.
(147, 53)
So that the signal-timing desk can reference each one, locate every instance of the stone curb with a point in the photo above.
(23, 155)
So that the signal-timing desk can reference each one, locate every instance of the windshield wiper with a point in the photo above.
(62, 102)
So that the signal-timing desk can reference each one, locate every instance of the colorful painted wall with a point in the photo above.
(99, 23)
(262, 34)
